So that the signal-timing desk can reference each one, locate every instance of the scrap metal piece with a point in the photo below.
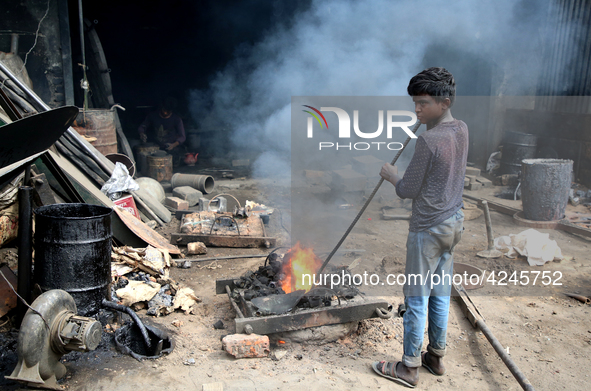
(277, 304)
(146, 233)
(491, 251)
(348, 312)
(34, 134)
(582, 299)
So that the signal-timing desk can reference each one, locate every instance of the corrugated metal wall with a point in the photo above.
(567, 68)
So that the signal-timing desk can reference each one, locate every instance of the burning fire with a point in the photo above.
(299, 261)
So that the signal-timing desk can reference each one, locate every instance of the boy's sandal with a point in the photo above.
(423, 354)
(388, 370)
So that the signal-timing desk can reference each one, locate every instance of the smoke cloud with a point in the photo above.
(368, 47)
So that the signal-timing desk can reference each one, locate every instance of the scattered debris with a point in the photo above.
(219, 325)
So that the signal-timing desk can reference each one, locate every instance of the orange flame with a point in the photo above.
(299, 261)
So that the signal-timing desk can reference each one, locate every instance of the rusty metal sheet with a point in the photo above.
(349, 312)
(7, 295)
(234, 241)
(145, 233)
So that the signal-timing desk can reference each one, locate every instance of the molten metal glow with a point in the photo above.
(299, 261)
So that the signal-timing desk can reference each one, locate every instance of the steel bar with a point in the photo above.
(369, 199)
(349, 312)
(224, 240)
(519, 376)
(476, 319)
(227, 257)
(489, 232)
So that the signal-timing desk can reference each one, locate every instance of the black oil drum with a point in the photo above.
(73, 252)
(516, 147)
(545, 184)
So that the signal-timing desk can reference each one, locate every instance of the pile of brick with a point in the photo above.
(473, 180)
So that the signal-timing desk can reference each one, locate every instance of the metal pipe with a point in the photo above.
(519, 376)
(14, 43)
(25, 250)
(489, 232)
(136, 319)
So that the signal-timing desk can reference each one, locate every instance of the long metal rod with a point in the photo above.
(369, 199)
(489, 232)
(519, 376)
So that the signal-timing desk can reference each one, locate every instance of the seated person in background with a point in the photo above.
(166, 129)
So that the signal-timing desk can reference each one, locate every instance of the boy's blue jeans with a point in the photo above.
(429, 258)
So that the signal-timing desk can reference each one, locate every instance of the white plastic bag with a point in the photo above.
(119, 182)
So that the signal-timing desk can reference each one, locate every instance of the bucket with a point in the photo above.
(545, 184)
(99, 123)
(516, 147)
(73, 252)
(160, 166)
(142, 153)
(203, 183)
(123, 159)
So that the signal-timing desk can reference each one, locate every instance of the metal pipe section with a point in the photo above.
(136, 319)
(489, 232)
(14, 43)
(25, 250)
(519, 376)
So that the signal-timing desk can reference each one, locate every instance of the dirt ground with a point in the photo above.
(548, 335)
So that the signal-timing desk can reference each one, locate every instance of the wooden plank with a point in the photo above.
(349, 312)
(567, 226)
(233, 241)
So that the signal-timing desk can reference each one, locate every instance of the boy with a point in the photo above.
(434, 180)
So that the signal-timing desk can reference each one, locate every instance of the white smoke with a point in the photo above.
(360, 47)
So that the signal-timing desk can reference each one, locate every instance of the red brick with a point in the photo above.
(176, 203)
(244, 345)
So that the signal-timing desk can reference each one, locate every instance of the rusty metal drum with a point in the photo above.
(142, 153)
(73, 252)
(160, 166)
(100, 124)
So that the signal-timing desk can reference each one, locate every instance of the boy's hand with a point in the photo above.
(389, 173)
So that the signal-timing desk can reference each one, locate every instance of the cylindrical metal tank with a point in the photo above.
(203, 183)
(142, 152)
(545, 184)
(99, 123)
(73, 252)
(516, 147)
(160, 166)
